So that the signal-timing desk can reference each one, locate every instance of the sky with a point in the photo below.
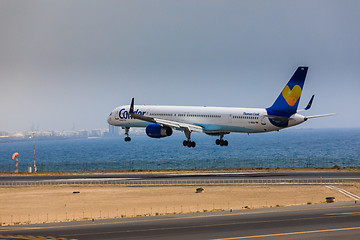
(67, 64)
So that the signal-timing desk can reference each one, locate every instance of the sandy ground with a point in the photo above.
(40, 204)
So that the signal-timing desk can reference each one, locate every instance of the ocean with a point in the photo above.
(289, 148)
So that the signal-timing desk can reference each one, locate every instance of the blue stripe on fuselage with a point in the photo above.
(207, 127)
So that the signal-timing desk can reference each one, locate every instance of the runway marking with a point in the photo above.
(164, 219)
(345, 213)
(349, 194)
(201, 226)
(291, 233)
(87, 179)
(28, 237)
(212, 173)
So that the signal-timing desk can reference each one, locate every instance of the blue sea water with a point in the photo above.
(287, 148)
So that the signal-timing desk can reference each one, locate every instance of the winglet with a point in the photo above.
(131, 110)
(310, 103)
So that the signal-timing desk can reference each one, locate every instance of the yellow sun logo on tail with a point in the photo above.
(293, 95)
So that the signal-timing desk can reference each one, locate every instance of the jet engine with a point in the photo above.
(157, 131)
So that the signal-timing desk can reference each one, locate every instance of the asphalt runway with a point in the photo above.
(322, 221)
(298, 175)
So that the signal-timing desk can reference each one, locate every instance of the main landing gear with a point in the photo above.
(127, 138)
(188, 142)
(221, 142)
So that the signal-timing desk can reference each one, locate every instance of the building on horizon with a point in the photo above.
(114, 131)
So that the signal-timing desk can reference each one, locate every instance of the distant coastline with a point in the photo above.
(18, 136)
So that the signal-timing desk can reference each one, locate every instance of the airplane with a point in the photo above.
(160, 121)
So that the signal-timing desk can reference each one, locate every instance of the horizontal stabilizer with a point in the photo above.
(323, 115)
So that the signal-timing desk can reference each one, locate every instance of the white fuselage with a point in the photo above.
(211, 119)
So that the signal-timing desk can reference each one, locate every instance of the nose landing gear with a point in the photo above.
(127, 138)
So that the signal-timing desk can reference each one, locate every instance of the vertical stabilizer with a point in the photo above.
(287, 102)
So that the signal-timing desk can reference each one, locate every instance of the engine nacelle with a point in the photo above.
(157, 131)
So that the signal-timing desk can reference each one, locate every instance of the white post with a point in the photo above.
(16, 165)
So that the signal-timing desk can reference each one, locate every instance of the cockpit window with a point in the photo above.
(110, 114)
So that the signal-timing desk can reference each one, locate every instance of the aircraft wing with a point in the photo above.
(179, 125)
(163, 122)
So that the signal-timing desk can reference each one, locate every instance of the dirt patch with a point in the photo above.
(29, 204)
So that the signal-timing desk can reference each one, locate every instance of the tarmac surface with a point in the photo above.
(321, 221)
(159, 176)
(162, 177)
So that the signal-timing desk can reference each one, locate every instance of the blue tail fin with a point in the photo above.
(287, 102)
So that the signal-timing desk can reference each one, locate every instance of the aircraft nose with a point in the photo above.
(109, 119)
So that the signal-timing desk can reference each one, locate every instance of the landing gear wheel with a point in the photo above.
(221, 142)
(189, 144)
(127, 138)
